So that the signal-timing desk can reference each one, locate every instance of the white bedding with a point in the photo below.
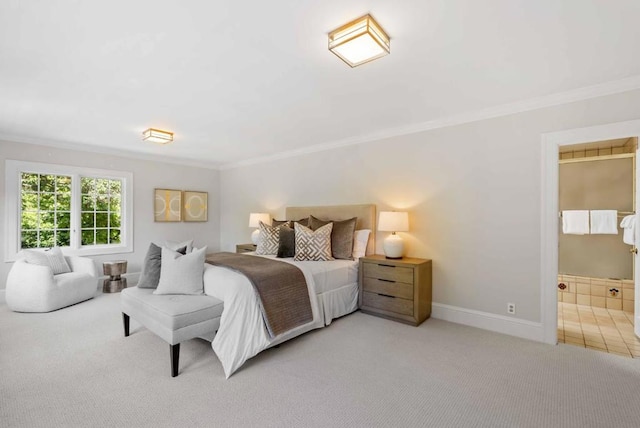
(330, 275)
(242, 333)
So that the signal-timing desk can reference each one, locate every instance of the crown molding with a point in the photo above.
(128, 154)
(574, 95)
(580, 94)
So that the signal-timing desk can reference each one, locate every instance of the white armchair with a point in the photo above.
(34, 288)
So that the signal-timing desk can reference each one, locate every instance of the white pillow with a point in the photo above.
(181, 274)
(52, 258)
(176, 245)
(360, 241)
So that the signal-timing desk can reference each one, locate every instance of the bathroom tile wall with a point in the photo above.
(597, 292)
(630, 146)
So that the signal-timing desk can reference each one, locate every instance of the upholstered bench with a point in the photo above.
(175, 318)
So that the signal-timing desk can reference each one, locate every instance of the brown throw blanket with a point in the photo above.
(281, 287)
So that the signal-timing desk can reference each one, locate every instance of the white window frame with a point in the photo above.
(13, 192)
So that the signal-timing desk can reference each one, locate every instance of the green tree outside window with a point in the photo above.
(46, 207)
(45, 210)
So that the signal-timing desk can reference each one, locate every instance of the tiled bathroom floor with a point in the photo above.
(605, 330)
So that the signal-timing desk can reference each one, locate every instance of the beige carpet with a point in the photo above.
(73, 367)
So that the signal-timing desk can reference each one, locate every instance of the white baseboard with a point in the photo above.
(487, 321)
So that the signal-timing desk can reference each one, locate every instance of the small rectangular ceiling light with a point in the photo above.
(359, 41)
(157, 136)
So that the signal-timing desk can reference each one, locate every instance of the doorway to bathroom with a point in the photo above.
(553, 144)
(596, 245)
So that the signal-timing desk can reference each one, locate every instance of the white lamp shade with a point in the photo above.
(393, 221)
(256, 218)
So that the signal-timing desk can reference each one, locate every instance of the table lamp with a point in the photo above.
(393, 221)
(254, 221)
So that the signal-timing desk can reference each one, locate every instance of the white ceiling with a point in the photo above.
(244, 79)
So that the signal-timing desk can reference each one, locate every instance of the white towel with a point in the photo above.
(575, 222)
(628, 225)
(604, 222)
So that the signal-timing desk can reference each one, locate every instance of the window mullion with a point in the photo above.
(76, 206)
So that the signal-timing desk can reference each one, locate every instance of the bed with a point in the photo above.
(332, 289)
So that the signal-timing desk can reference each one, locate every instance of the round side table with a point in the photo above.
(115, 283)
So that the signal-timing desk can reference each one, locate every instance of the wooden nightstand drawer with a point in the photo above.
(381, 286)
(388, 271)
(388, 303)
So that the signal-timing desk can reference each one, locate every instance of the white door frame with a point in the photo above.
(551, 142)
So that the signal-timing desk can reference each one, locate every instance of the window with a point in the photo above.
(101, 212)
(45, 218)
(86, 211)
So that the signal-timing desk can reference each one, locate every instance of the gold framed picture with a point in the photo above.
(167, 205)
(195, 206)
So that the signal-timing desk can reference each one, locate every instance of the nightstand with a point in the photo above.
(399, 290)
(245, 248)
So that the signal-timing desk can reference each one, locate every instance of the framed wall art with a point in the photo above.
(195, 206)
(167, 205)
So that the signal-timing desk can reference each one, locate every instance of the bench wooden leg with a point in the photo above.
(175, 356)
(125, 323)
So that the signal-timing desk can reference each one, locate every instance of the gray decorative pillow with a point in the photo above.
(181, 274)
(52, 258)
(150, 275)
(313, 245)
(287, 244)
(289, 223)
(303, 221)
(341, 237)
(269, 239)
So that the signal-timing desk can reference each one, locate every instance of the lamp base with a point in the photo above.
(393, 247)
(254, 236)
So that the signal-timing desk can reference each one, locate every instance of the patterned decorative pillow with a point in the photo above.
(313, 245)
(269, 239)
(52, 258)
(341, 236)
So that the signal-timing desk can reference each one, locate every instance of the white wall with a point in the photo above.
(147, 175)
(473, 192)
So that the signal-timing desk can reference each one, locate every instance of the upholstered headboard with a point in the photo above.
(366, 217)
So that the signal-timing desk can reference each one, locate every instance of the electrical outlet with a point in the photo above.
(511, 308)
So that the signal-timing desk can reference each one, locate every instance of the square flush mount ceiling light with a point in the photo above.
(157, 136)
(359, 41)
